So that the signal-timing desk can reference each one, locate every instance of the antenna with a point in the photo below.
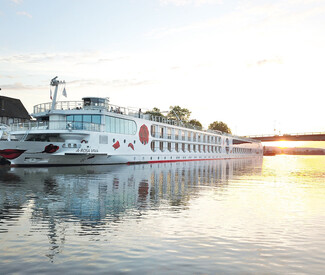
(55, 83)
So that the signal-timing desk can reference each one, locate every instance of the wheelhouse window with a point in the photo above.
(95, 103)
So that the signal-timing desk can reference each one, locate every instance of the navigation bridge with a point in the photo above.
(313, 136)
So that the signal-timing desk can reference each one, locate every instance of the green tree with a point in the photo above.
(197, 124)
(220, 126)
(178, 113)
(155, 112)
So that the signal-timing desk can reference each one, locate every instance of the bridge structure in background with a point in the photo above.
(313, 136)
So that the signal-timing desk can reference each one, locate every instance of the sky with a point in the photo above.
(256, 65)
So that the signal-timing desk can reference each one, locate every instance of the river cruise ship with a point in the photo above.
(94, 132)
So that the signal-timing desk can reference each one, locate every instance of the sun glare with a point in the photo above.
(287, 144)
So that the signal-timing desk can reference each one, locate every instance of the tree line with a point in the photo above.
(183, 115)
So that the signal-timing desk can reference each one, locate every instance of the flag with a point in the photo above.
(51, 94)
(64, 92)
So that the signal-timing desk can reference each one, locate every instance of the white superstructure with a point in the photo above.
(93, 131)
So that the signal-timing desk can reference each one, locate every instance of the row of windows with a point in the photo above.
(96, 119)
(183, 147)
(120, 125)
(112, 124)
(177, 134)
(242, 150)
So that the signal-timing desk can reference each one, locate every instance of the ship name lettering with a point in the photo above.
(87, 151)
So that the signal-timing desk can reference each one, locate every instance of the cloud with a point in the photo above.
(7, 76)
(116, 83)
(190, 2)
(249, 15)
(109, 83)
(17, 2)
(21, 86)
(276, 60)
(24, 13)
(76, 57)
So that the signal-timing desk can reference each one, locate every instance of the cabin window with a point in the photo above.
(153, 130)
(169, 146)
(169, 133)
(194, 148)
(183, 135)
(152, 146)
(161, 146)
(176, 134)
(176, 147)
(183, 147)
(189, 136)
(189, 147)
(227, 141)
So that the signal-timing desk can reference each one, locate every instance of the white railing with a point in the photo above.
(57, 125)
(60, 105)
(24, 126)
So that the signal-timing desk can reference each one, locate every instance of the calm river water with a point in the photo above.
(236, 216)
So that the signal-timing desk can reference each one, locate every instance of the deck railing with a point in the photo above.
(57, 125)
(79, 105)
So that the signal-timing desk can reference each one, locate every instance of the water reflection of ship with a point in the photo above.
(91, 193)
(99, 197)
